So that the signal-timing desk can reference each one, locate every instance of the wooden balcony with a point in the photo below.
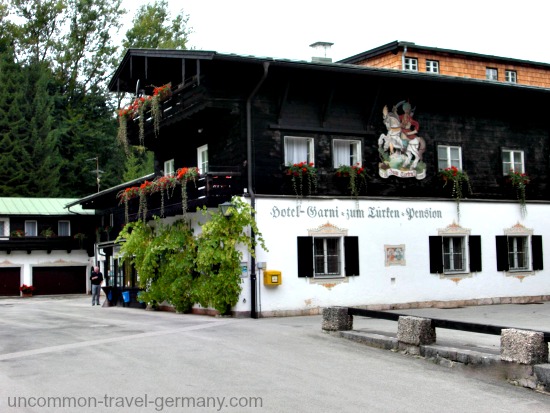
(210, 189)
(48, 244)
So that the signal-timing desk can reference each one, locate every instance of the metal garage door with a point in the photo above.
(59, 280)
(9, 281)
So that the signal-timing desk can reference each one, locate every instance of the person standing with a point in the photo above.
(96, 278)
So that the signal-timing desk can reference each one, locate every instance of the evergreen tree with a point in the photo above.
(43, 150)
(13, 129)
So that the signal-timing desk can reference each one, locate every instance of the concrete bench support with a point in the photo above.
(523, 347)
(415, 331)
(337, 319)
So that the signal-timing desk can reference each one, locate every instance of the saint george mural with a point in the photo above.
(401, 148)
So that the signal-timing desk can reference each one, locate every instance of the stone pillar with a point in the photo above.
(337, 319)
(415, 331)
(523, 347)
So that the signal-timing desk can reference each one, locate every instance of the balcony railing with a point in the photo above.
(48, 244)
(216, 186)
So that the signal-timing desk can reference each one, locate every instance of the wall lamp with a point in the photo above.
(226, 209)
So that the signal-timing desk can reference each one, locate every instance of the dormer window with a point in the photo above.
(491, 73)
(411, 63)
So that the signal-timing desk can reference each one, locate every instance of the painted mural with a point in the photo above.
(401, 148)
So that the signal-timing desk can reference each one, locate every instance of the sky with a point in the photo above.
(286, 28)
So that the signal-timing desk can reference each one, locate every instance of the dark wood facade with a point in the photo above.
(243, 107)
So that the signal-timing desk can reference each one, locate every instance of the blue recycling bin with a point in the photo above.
(126, 296)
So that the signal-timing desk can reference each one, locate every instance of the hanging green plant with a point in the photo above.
(519, 181)
(138, 108)
(357, 177)
(457, 177)
(300, 172)
(160, 94)
(185, 175)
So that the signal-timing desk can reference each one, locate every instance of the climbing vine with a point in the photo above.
(175, 266)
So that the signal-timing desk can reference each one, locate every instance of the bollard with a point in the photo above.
(415, 330)
(523, 347)
(337, 319)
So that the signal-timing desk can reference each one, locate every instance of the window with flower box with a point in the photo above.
(346, 152)
(64, 228)
(169, 167)
(298, 149)
(512, 160)
(31, 228)
(449, 156)
(202, 159)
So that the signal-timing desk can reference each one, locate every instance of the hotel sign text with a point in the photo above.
(299, 211)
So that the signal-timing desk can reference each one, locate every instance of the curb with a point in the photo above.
(535, 377)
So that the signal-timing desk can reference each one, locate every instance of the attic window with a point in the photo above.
(432, 66)
(411, 63)
(491, 73)
(511, 76)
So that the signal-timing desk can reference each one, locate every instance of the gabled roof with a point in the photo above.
(40, 206)
(159, 66)
(396, 45)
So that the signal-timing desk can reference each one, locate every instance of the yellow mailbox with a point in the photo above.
(272, 278)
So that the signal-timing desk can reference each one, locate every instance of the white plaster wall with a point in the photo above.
(26, 262)
(378, 283)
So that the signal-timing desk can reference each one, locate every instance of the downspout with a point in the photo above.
(403, 57)
(250, 169)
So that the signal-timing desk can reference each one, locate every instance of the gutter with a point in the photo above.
(250, 164)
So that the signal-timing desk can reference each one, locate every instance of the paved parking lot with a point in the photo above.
(60, 354)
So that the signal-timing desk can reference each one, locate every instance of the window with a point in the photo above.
(455, 254)
(491, 73)
(328, 256)
(298, 149)
(64, 228)
(432, 66)
(411, 63)
(512, 160)
(454, 251)
(346, 152)
(202, 159)
(511, 76)
(31, 229)
(519, 250)
(448, 156)
(169, 167)
(4, 228)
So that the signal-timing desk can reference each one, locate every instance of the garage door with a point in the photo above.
(9, 281)
(59, 280)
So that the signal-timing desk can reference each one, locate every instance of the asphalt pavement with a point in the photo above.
(60, 354)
